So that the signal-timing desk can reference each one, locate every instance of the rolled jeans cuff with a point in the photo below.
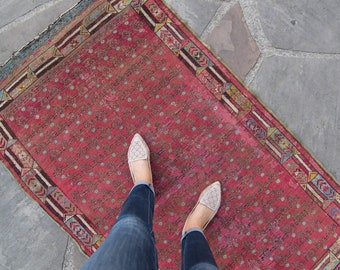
(150, 186)
(192, 230)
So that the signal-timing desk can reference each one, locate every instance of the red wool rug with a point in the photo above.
(71, 104)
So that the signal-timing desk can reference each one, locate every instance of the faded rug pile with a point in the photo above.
(73, 100)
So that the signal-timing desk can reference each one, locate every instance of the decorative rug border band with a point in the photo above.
(305, 172)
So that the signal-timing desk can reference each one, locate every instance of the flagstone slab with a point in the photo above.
(17, 34)
(74, 258)
(312, 25)
(304, 94)
(233, 43)
(14, 9)
(195, 13)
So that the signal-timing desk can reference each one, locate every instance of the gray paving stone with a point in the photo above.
(11, 10)
(303, 25)
(29, 238)
(74, 258)
(232, 42)
(196, 13)
(301, 92)
(17, 34)
(304, 94)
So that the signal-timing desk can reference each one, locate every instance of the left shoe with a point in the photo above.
(138, 150)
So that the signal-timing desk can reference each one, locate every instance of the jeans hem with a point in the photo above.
(190, 231)
(150, 186)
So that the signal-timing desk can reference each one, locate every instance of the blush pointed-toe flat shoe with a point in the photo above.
(138, 150)
(211, 198)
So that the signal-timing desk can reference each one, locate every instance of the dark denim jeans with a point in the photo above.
(131, 244)
(196, 253)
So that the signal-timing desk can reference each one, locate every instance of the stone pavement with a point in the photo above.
(286, 52)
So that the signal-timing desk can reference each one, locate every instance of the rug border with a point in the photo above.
(267, 113)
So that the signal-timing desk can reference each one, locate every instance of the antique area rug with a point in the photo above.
(72, 100)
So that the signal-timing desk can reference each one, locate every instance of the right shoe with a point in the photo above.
(211, 198)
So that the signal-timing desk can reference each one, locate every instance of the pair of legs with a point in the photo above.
(131, 245)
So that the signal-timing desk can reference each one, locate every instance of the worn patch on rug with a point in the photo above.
(70, 109)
